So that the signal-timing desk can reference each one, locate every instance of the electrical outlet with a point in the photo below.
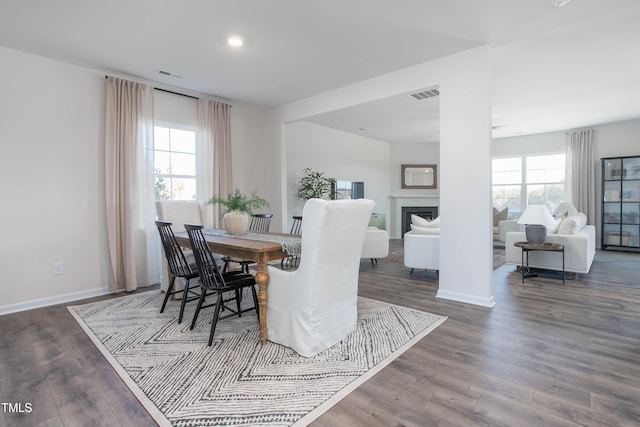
(58, 268)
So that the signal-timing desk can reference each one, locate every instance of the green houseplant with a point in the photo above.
(239, 207)
(315, 185)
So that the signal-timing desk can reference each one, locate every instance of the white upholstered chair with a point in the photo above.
(422, 251)
(376, 245)
(179, 213)
(314, 307)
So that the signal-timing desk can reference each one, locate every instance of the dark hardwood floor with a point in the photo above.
(545, 355)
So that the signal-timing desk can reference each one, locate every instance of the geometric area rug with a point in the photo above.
(237, 382)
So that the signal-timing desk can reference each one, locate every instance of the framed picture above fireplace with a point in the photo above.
(419, 176)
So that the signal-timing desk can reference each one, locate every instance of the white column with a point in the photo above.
(465, 183)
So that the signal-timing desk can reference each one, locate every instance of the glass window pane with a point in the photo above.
(183, 141)
(183, 189)
(183, 164)
(160, 138)
(163, 191)
(161, 162)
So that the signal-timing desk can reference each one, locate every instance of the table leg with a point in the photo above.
(262, 279)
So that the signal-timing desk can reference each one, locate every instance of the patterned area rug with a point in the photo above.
(499, 257)
(237, 382)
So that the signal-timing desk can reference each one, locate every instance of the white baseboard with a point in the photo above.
(484, 302)
(58, 299)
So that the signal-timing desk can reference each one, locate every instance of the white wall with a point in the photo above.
(340, 155)
(52, 178)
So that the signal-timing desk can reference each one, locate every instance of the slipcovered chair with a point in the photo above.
(376, 245)
(314, 307)
(179, 212)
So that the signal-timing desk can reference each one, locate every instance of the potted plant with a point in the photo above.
(315, 185)
(239, 207)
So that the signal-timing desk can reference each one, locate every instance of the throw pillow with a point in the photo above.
(425, 230)
(572, 224)
(499, 215)
(553, 228)
(422, 222)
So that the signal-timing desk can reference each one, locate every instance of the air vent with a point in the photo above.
(169, 74)
(426, 94)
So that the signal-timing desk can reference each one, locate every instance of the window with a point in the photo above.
(507, 183)
(531, 180)
(174, 163)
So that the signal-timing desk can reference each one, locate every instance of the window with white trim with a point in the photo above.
(174, 163)
(528, 180)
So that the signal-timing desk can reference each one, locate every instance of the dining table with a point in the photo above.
(255, 247)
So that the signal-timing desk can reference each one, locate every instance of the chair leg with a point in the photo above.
(203, 291)
(185, 294)
(214, 322)
(238, 299)
(255, 302)
(169, 289)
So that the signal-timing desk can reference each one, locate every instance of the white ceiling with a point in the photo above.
(554, 68)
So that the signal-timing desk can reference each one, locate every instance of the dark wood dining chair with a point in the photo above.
(259, 224)
(178, 267)
(214, 282)
(296, 228)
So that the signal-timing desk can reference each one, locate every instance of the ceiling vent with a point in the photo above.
(426, 94)
(169, 74)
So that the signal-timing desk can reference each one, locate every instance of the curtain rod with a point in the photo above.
(168, 91)
(175, 93)
(182, 94)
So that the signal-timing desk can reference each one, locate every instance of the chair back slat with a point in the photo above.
(210, 275)
(296, 225)
(177, 262)
(260, 223)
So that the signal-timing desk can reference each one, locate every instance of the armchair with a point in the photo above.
(376, 245)
(314, 307)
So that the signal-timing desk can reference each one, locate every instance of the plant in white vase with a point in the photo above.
(239, 207)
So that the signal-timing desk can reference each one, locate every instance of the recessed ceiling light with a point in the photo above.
(235, 41)
(559, 3)
(363, 130)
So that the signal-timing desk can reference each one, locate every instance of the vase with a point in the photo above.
(236, 222)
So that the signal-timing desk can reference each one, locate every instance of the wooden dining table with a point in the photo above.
(261, 252)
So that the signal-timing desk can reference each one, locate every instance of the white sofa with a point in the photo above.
(579, 251)
(376, 244)
(422, 251)
(504, 226)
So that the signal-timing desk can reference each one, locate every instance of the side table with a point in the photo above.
(529, 247)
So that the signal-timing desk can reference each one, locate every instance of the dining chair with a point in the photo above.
(214, 282)
(259, 224)
(178, 266)
(296, 228)
(178, 213)
(314, 307)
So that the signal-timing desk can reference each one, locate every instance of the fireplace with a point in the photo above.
(427, 212)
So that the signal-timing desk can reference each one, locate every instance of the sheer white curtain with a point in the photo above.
(214, 155)
(581, 173)
(132, 236)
